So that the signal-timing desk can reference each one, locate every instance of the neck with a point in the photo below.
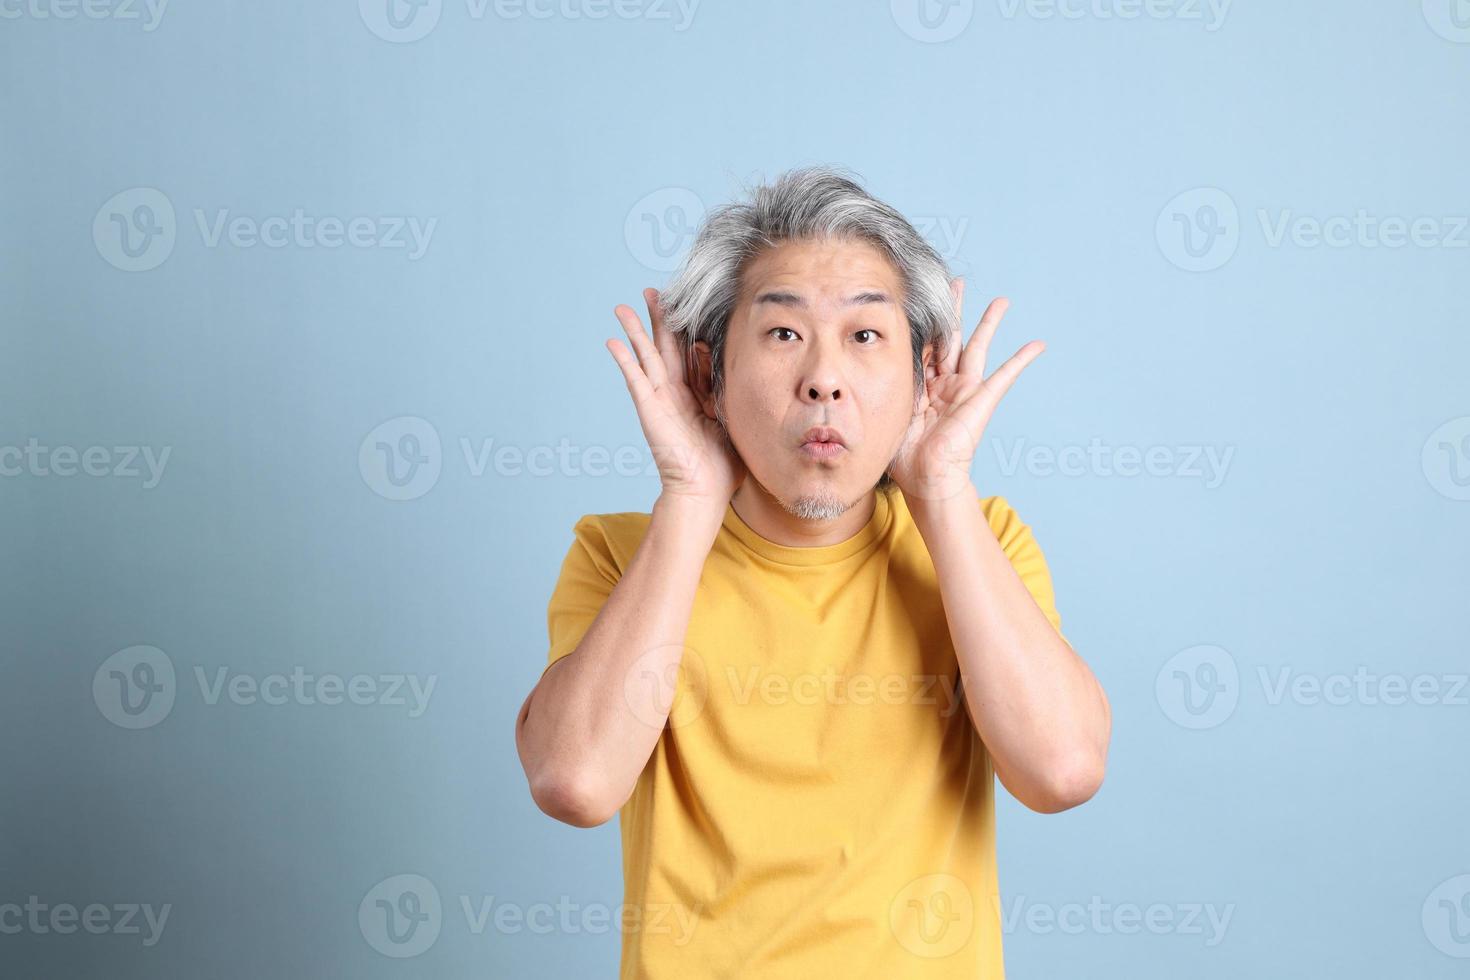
(764, 515)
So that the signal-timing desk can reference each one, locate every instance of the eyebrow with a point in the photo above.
(784, 298)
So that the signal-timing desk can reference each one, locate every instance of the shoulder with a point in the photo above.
(1025, 556)
(1001, 515)
(1014, 534)
(612, 538)
(613, 526)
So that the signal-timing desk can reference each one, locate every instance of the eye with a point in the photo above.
(787, 329)
(874, 334)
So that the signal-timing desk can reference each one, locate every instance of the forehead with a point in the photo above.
(815, 274)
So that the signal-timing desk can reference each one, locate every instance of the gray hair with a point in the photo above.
(806, 204)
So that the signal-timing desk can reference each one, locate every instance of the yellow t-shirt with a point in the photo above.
(819, 804)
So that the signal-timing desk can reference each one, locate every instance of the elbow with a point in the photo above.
(574, 798)
(566, 793)
(1071, 784)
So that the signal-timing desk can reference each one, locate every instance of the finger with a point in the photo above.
(667, 344)
(638, 385)
(648, 355)
(956, 337)
(972, 361)
(1000, 382)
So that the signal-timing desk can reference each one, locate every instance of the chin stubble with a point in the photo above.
(823, 506)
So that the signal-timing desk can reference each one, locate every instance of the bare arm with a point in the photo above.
(588, 728)
(1041, 713)
(586, 731)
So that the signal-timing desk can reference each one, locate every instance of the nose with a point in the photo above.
(822, 381)
(821, 392)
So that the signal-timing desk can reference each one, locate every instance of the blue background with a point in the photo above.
(564, 159)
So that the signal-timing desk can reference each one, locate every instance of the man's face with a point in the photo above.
(818, 337)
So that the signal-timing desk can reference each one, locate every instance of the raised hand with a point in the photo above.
(934, 461)
(694, 457)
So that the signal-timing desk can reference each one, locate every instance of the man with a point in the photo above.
(797, 679)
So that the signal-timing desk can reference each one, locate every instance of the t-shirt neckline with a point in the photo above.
(866, 538)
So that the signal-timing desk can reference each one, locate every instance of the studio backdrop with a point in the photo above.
(303, 387)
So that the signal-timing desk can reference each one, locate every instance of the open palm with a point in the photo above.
(693, 454)
(934, 460)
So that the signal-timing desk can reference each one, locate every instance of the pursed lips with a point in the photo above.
(823, 433)
(823, 442)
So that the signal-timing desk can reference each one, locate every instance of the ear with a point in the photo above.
(699, 371)
(931, 364)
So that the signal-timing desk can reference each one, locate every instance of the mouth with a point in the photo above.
(823, 442)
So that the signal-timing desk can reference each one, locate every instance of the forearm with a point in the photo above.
(588, 728)
(1039, 710)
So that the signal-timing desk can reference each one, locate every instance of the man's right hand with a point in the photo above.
(694, 457)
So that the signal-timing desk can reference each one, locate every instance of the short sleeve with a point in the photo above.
(1020, 546)
(588, 574)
